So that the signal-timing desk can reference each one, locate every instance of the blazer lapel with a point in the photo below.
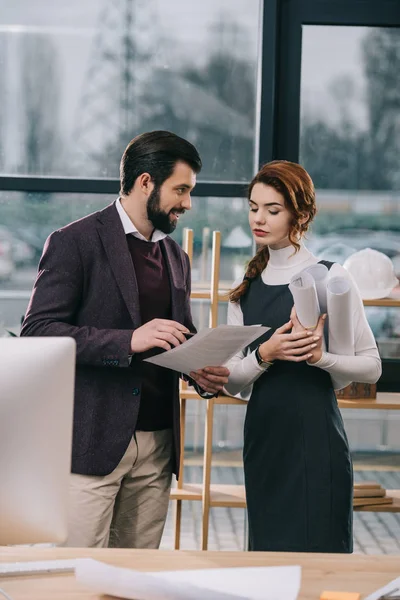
(114, 241)
(176, 277)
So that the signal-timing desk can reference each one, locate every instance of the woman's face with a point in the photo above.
(269, 218)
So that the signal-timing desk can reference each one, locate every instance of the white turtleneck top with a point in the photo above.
(364, 366)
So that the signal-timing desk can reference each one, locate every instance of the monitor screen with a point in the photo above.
(36, 410)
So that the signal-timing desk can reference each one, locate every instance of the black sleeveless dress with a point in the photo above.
(297, 464)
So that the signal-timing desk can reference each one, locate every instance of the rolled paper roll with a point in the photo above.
(320, 274)
(341, 326)
(304, 292)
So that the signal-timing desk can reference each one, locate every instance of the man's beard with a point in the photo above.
(158, 217)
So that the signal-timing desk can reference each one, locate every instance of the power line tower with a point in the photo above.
(114, 102)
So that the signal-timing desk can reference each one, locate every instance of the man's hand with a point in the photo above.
(158, 333)
(318, 333)
(211, 379)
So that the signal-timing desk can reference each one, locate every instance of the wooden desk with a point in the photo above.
(354, 573)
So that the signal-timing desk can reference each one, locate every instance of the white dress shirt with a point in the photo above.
(157, 235)
(364, 366)
(129, 227)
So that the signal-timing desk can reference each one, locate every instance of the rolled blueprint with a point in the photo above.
(134, 585)
(320, 274)
(341, 326)
(304, 292)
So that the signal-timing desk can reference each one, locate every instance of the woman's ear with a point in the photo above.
(304, 219)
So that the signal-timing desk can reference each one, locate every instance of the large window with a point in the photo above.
(79, 80)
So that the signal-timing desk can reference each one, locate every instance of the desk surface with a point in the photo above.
(353, 573)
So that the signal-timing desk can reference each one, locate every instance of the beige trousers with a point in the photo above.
(128, 507)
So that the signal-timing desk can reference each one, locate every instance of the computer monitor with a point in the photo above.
(36, 409)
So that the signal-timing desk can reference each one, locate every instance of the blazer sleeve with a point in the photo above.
(55, 301)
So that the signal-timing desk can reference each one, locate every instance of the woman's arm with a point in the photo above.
(244, 370)
(365, 366)
(282, 345)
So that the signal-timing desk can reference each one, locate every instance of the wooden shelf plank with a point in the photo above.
(383, 401)
(189, 491)
(220, 495)
(228, 495)
(201, 290)
(383, 302)
(234, 496)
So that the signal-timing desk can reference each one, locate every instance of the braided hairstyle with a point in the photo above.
(293, 182)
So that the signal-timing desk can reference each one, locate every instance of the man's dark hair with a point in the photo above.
(156, 153)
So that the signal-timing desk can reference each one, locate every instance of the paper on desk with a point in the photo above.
(208, 348)
(341, 327)
(253, 583)
(392, 588)
(304, 292)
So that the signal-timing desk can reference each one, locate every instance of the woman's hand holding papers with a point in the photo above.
(295, 346)
(211, 379)
(318, 333)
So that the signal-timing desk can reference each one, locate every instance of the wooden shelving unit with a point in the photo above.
(212, 495)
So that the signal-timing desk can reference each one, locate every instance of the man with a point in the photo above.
(120, 286)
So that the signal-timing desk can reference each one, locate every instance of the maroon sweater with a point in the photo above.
(155, 410)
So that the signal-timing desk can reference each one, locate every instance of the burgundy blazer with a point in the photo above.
(86, 288)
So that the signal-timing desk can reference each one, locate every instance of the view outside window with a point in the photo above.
(350, 144)
(79, 80)
(28, 218)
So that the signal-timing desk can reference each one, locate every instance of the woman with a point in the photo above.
(298, 471)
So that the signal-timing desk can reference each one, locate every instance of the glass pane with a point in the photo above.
(230, 217)
(27, 219)
(350, 144)
(78, 81)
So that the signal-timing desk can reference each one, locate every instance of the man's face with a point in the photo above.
(168, 202)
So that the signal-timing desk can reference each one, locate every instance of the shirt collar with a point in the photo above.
(130, 228)
(286, 258)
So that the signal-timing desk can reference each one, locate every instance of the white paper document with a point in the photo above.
(247, 583)
(208, 348)
(391, 589)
